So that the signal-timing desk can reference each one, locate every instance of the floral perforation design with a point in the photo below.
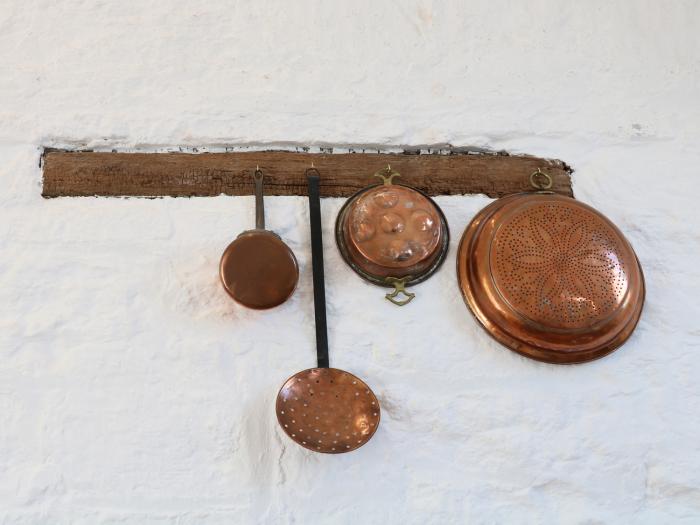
(559, 265)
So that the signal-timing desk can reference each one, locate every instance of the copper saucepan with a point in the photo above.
(550, 277)
(258, 269)
(325, 409)
(392, 235)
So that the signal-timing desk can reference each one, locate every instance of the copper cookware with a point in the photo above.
(325, 409)
(392, 235)
(550, 277)
(258, 269)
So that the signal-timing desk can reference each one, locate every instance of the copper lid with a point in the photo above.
(390, 232)
(259, 270)
(550, 277)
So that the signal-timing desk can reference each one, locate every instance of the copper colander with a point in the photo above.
(550, 277)
(325, 409)
(392, 235)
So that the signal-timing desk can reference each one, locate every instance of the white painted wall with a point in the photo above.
(133, 391)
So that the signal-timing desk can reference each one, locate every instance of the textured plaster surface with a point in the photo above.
(133, 391)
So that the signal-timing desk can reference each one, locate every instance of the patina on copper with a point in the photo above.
(392, 235)
(550, 277)
(258, 269)
(325, 409)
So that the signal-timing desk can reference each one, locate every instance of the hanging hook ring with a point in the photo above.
(387, 175)
(399, 288)
(537, 182)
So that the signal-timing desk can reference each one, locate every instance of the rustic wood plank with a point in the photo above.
(73, 174)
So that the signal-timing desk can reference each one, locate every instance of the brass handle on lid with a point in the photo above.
(399, 288)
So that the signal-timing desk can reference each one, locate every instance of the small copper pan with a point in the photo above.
(258, 270)
(325, 409)
(392, 235)
(550, 277)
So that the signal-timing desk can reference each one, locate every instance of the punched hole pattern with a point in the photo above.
(342, 416)
(560, 265)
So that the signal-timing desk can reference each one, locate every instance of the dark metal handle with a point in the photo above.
(259, 203)
(313, 177)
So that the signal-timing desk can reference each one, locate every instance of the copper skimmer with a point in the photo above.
(550, 277)
(325, 409)
(258, 269)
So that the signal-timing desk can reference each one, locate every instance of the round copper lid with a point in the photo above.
(259, 270)
(392, 234)
(550, 277)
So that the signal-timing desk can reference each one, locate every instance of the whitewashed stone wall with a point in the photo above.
(133, 391)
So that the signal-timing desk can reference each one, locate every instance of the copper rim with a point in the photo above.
(550, 278)
(327, 410)
(367, 261)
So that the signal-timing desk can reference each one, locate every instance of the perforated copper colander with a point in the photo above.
(325, 409)
(550, 277)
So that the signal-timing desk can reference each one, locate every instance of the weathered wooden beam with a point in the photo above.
(78, 174)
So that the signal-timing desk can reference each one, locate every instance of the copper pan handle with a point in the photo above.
(259, 202)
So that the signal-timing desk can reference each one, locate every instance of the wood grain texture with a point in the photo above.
(78, 174)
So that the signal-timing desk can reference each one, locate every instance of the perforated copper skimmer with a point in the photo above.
(258, 269)
(325, 409)
(392, 235)
(550, 277)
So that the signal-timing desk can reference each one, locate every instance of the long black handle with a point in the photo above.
(317, 264)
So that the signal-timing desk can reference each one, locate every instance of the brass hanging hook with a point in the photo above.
(387, 179)
(537, 184)
(399, 288)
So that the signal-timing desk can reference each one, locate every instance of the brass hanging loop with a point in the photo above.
(537, 182)
(399, 288)
(389, 176)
